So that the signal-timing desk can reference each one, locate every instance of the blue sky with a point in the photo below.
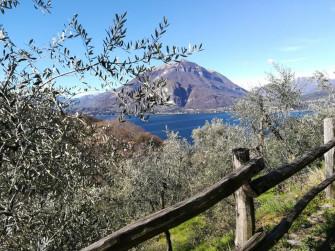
(240, 38)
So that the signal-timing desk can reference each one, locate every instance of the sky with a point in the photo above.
(241, 38)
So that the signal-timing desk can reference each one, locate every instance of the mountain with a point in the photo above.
(190, 86)
(310, 90)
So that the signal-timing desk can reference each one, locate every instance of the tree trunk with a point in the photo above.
(168, 240)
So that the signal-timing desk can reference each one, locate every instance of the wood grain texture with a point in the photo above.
(253, 242)
(329, 130)
(244, 204)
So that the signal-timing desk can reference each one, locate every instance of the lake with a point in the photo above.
(183, 123)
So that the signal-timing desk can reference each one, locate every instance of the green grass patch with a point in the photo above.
(218, 243)
(272, 206)
(194, 234)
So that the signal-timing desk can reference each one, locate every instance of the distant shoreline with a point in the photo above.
(206, 111)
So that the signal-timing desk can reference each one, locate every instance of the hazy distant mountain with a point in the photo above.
(189, 85)
(310, 90)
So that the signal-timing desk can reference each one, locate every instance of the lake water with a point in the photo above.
(183, 123)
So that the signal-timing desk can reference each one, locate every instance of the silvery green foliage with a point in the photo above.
(212, 149)
(166, 175)
(57, 186)
(47, 161)
(177, 170)
(111, 69)
(159, 178)
(303, 131)
(323, 81)
(266, 108)
(266, 111)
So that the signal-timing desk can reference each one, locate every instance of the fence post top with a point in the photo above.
(240, 150)
(329, 119)
(241, 154)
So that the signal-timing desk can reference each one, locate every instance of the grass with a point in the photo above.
(322, 236)
(274, 205)
(225, 242)
(183, 236)
(195, 234)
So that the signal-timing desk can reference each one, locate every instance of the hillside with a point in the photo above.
(124, 134)
(190, 86)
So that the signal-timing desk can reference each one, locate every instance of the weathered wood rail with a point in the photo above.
(282, 228)
(237, 182)
(172, 216)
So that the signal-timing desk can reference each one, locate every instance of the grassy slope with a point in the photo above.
(313, 230)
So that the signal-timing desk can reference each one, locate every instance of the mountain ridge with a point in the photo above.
(190, 87)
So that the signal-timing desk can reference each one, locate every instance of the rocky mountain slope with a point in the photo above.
(190, 86)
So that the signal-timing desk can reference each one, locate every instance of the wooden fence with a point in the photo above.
(238, 182)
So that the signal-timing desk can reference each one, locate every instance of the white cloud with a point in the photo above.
(270, 61)
(302, 41)
(291, 48)
(293, 60)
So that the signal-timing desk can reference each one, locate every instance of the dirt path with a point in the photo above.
(317, 232)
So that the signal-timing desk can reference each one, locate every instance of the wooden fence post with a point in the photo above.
(244, 204)
(329, 131)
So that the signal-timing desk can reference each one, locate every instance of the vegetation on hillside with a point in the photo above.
(68, 180)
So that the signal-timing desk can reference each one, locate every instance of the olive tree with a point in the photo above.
(56, 171)
(213, 146)
(158, 178)
(267, 110)
(285, 124)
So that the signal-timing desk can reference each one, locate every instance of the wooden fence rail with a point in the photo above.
(261, 241)
(273, 178)
(172, 216)
(282, 228)
(239, 182)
